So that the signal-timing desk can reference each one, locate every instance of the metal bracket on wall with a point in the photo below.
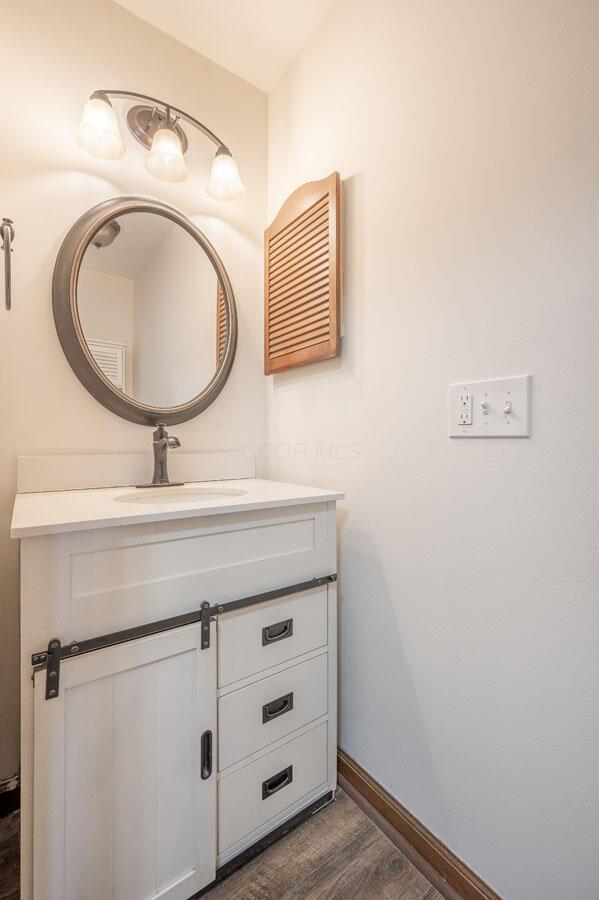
(7, 232)
(50, 659)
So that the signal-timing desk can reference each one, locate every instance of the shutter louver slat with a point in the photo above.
(221, 325)
(296, 225)
(319, 251)
(311, 228)
(318, 242)
(303, 315)
(307, 344)
(320, 272)
(313, 287)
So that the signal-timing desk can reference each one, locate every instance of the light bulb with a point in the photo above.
(98, 132)
(225, 183)
(165, 160)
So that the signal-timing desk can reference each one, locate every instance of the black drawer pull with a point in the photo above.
(277, 707)
(277, 632)
(276, 782)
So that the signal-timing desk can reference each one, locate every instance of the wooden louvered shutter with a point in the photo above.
(221, 324)
(302, 283)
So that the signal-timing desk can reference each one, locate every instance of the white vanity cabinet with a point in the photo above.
(170, 741)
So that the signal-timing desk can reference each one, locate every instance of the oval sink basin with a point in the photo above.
(166, 495)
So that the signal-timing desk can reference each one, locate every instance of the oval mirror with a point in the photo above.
(145, 311)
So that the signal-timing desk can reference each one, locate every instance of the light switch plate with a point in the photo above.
(500, 408)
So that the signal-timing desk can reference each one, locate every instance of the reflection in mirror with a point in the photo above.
(147, 303)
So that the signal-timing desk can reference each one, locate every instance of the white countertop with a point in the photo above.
(54, 512)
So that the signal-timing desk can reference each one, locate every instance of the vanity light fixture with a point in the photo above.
(165, 160)
(225, 182)
(155, 126)
(98, 132)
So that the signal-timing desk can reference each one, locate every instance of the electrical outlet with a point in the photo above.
(465, 409)
(496, 408)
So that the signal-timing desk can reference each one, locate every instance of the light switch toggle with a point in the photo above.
(507, 407)
(484, 407)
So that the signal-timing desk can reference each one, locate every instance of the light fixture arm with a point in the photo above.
(179, 113)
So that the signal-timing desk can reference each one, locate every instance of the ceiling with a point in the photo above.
(255, 39)
(140, 235)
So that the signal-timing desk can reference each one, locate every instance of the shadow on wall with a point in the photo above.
(368, 626)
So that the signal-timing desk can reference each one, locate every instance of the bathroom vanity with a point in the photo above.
(178, 640)
(178, 654)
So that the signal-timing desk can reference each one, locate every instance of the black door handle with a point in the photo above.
(276, 782)
(206, 755)
(277, 707)
(277, 632)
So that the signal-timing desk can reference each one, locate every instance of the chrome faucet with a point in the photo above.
(161, 443)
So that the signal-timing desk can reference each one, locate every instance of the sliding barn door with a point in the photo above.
(120, 808)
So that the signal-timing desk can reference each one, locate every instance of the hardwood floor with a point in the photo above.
(9, 857)
(338, 854)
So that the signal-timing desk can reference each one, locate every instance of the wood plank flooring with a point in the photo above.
(338, 854)
(9, 857)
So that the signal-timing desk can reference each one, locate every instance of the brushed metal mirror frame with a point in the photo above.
(70, 332)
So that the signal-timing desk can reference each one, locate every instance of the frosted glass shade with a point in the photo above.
(225, 183)
(165, 160)
(98, 132)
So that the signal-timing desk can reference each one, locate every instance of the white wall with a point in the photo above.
(466, 134)
(105, 305)
(56, 54)
(174, 322)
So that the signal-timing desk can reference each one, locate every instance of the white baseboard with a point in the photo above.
(83, 471)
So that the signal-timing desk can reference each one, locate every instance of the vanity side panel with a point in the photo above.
(44, 592)
(332, 686)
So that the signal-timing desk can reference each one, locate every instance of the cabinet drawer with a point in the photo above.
(251, 796)
(255, 716)
(259, 637)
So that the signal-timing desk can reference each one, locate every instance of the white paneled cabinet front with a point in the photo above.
(120, 808)
(117, 803)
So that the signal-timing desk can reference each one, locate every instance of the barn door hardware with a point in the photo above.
(51, 658)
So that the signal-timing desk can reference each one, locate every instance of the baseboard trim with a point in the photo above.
(10, 796)
(443, 868)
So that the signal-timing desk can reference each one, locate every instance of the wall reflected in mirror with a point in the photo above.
(147, 297)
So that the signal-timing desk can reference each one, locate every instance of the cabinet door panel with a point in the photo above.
(120, 810)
